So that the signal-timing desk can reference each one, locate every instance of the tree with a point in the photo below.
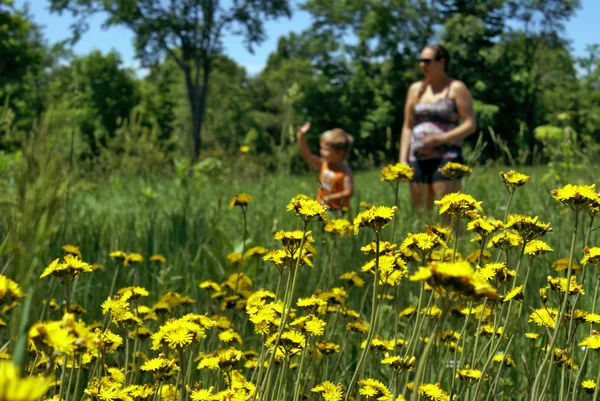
(99, 91)
(190, 31)
(23, 57)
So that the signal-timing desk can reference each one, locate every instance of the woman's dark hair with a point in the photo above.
(440, 53)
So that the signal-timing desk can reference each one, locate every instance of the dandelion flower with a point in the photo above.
(17, 388)
(397, 173)
(308, 209)
(339, 227)
(433, 392)
(375, 218)
(592, 255)
(455, 170)
(577, 197)
(544, 317)
(589, 386)
(329, 391)
(460, 205)
(513, 179)
(242, 200)
(537, 247)
(373, 389)
(515, 293)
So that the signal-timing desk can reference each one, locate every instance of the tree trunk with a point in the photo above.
(197, 95)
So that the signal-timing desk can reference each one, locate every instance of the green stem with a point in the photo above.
(373, 322)
(550, 348)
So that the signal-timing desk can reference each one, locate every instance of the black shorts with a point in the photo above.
(427, 171)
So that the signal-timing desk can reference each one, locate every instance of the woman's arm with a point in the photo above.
(468, 125)
(312, 159)
(407, 126)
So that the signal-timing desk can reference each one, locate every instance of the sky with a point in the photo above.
(583, 29)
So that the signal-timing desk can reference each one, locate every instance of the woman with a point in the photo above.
(438, 115)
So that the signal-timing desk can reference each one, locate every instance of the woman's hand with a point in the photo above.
(433, 141)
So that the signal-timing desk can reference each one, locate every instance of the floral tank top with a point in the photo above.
(434, 118)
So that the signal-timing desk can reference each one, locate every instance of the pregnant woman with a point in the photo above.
(438, 115)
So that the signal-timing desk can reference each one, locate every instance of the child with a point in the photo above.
(337, 183)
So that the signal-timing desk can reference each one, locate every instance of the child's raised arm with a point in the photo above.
(312, 159)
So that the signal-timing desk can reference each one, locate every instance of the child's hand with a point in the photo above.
(303, 130)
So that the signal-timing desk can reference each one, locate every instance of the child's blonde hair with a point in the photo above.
(339, 139)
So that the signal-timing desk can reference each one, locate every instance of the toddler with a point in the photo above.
(336, 180)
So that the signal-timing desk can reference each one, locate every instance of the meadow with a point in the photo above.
(179, 287)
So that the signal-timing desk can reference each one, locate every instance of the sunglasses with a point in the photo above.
(425, 60)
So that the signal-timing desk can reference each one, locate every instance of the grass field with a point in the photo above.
(215, 340)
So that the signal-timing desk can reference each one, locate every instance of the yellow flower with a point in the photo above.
(562, 265)
(592, 342)
(329, 391)
(177, 334)
(528, 227)
(515, 293)
(397, 173)
(496, 271)
(460, 205)
(506, 359)
(210, 285)
(391, 269)
(512, 179)
(577, 197)
(560, 285)
(314, 326)
(455, 170)
(255, 251)
(474, 256)
(352, 278)
(293, 239)
(161, 367)
(592, 255)
(384, 247)
(458, 277)
(118, 255)
(130, 294)
(73, 250)
(360, 326)
(592, 318)
(422, 244)
(228, 359)
(409, 311)
(133, 258)
(15, 388)
(469, 375)
(433, 392)
(158, 258)
(327, 348)
(376, 217)
(537, 247)
(484, 226)
(373, 389)
(244, 148)
(240, 200)
(506, 240)
(399, 363)
(230, 335)
(439, 230)
(70, 269)
(532, 336)
(544, 317)
(208, 362)
(308, 209)
(589, 386)
(9, 290)
(234, 258)
(339, 227)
